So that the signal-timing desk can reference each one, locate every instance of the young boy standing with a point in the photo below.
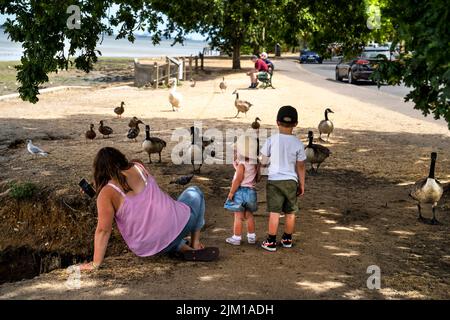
(286, 180)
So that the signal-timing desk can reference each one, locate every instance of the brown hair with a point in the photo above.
(108, 165)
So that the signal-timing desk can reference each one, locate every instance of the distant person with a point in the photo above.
(265, 57)
(241, 199)
(149, 220)
(286, 180)
(260, 67)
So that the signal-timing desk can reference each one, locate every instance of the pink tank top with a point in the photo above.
(249, 173)
(150, 220)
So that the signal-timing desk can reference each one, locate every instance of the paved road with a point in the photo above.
(327, 70)
(388, 97)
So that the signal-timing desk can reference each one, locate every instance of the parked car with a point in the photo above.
(310, 57)
(362, 67)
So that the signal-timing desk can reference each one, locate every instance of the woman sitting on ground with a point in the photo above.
(149, 220)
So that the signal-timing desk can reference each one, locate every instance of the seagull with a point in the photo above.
(184, 180)
(35, 150)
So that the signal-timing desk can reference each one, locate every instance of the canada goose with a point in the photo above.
(223, 85)
(315, 153)
(104, 130)
(90, 134)
(152, 144)
(428, 190)
(193, 83)
(34, 150)
(175, 98)
(134, 132)
(241, 105)
(195, 132)
(255, 124)
(133, 122)
(120, 110)
(195, 152)
(326, 126)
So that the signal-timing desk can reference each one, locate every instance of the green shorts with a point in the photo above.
(282, 196)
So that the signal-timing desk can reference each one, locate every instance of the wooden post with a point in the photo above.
(168, 71)
(184, 68)
(155, 65)
(190, 66)
(202, 56)
(196, 63)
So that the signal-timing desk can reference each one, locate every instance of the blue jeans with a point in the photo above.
(244, 199)
(194, 198)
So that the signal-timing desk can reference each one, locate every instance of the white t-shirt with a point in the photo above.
(284, 150)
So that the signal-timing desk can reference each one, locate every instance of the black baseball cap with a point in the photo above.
(287, 114)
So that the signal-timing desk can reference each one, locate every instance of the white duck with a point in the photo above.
(175, 98)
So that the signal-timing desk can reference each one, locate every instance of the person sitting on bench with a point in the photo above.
(260, 67)
(264, 56)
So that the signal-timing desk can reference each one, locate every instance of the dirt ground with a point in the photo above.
(354, 214)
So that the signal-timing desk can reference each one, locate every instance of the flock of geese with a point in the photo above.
(151, 145)
(425, 191)
(176, 98)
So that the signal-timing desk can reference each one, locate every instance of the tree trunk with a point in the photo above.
(237, 56)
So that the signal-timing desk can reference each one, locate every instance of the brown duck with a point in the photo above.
(104, 130)
(120, 110)
(133, 122)
(134, 132)
(90, 134)
(255, 124)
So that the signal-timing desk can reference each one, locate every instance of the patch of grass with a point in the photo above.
(8, 77)
(72, 76)
(23, 191)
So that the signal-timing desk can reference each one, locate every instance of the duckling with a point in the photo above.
(175, 98)
(223, 85)
(104, 130)
(90, 134)
(133, 122)
(134, 132)
(241, 105)
(120, 110)
(428, 190)
(315, 153)
(326, 126)
(193, 83)
(152, 144)
(255, 124)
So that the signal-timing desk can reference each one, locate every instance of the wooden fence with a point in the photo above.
(158, 73)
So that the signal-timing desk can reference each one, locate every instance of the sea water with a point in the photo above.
(110, 47)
